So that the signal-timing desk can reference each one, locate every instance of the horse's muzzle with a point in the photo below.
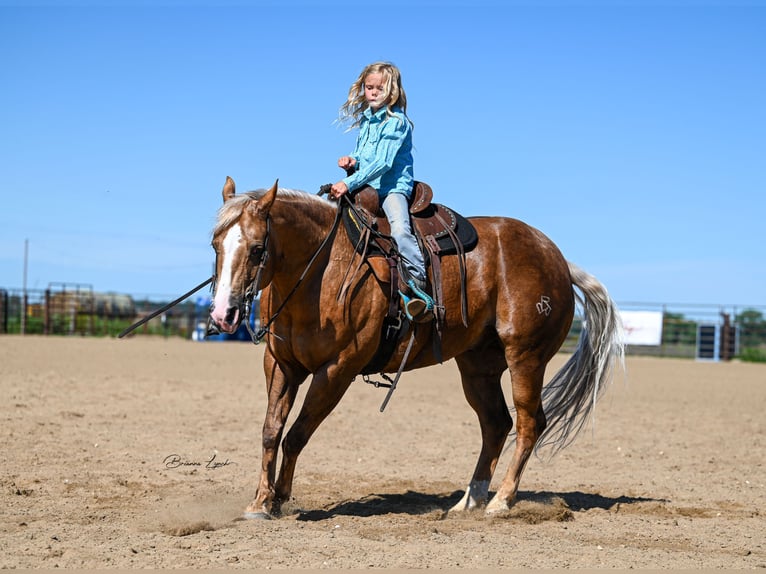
(228, 320)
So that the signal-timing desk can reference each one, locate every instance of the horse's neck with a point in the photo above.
(300, 228)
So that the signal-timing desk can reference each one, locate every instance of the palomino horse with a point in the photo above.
(521, 303)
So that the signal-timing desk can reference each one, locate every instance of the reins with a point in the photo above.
(254, 289)
(255, 286)
(164, 308)
(364, 223)
(371, 231)
(257, 336)
(326, 189)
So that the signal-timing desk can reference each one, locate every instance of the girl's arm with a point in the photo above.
(393, 135)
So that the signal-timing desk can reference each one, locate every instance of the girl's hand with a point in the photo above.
(346, 162)
(338, 189)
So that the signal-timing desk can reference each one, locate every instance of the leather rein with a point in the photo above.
(255, 287)
(252, 291)
(262, 256)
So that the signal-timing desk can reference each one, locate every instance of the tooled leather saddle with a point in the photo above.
(439, 230)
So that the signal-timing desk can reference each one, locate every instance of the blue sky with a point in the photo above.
(633, 134)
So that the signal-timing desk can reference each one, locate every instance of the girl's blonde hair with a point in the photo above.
(353, 108)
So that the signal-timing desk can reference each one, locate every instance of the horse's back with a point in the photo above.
(517, 246)
(517, 284)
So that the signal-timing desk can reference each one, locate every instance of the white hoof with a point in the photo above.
(496, 505)
(475, 496)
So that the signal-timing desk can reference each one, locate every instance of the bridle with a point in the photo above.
(261, 257)
(255, 287)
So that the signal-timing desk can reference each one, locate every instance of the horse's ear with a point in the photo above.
(270, 196)
(262, 207)
(229, 189)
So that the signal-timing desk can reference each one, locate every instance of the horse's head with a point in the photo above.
(240, 240)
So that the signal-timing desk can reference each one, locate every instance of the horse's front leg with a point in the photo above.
(282, 387)
(328, 386)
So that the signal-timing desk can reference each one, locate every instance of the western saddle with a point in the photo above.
(439, 230)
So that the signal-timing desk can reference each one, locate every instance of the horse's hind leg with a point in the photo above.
(527, 384)
(480, 374)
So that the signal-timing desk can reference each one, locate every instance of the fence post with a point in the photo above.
(47, 313)
(24, 303)
(728, 338)
(4, 295)
(91, 312)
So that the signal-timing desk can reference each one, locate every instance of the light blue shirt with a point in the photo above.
(383, 153)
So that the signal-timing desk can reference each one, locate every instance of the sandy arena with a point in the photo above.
(144, 453)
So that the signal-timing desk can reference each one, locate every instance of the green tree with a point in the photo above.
(752, 328)
(678, 330)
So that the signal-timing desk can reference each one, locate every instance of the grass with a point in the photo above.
(753, 355)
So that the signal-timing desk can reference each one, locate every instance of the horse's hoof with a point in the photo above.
(256, 516)
(494, 509)
(475, 496)
(496, 506)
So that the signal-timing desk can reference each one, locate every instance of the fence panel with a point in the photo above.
(68, 310)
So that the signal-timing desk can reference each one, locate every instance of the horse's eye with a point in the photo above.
(256, 250)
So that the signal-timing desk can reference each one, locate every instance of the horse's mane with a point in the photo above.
(232, 209)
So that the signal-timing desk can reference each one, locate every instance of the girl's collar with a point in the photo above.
(369, 114)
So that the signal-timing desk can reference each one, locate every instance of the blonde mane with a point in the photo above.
(232, 209)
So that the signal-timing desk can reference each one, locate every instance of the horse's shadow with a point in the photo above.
(419, 503)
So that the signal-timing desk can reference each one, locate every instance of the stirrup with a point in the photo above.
(420, 293)
(420, 306)
(416, 309)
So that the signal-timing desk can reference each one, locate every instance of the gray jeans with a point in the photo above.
(397, 211)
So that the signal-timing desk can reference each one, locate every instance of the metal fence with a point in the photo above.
(740, 330)
(67, 309)
(78, 310)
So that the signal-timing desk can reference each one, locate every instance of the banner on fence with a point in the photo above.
(642, 327)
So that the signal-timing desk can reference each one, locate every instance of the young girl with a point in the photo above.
(382, 159)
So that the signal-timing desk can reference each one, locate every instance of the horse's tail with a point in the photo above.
(570, 397)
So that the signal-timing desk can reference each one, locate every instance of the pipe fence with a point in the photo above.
(738, 331)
